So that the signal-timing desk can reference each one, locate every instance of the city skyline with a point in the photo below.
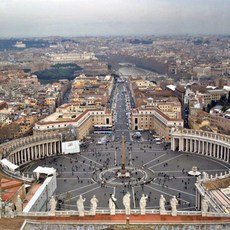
(113, 17)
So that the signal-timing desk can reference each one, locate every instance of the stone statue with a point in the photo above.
(162, 204)
(8, 210)
(93, 202)
(205, 176)
(143, 202)
(52, 204)
(112, 204)
(80, 206)
(204, 205)
(18, 204)
(174, 203)
(126, 203)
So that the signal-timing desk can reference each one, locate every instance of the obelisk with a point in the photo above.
(123, 171)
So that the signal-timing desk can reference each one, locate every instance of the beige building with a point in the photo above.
(94, 91)
(215, 123)
(82, 122)
(211, 95)
(71, 57)
(154, 119)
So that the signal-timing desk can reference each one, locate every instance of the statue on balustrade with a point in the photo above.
(52, 204)
(162, 205)
(80, 206)
(174, 203)
(112, 204)
(143, 202)
(126, 203)
(8, 210)
(204, 205)
(18, 204)
(93, 208)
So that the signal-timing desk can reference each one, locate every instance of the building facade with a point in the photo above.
(154, 119)
(80, 123)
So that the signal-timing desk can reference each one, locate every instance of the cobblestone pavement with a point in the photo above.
(76, 175)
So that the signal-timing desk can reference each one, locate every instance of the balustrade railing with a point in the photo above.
(220, 137)
(18, 175)
(121, 211)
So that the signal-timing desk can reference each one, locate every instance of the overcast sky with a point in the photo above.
(113, 17)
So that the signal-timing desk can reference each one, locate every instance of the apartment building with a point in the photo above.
(62, 58)
(211, 95)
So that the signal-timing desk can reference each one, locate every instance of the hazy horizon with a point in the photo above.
(71, 18)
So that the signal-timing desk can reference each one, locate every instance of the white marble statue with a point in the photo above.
(52, 204)
(126, 203)
(93, 203)
(112, 204)
(174, 203)
(18, 204)
(80, 206)
(204, 205)
(162, 204)
(142, 203)
(8, 210)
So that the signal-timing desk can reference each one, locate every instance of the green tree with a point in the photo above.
(213, 103)
(223, 99)
(208, 108)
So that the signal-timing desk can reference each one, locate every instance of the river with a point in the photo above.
(139, 72)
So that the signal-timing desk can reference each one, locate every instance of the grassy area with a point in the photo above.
(58, 72)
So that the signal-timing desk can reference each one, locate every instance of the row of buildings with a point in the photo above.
(24, 101)
(89, 104)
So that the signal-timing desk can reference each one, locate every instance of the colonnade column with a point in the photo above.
(214, 150)
(47, 149)
(203, 150)
(190, 146)
(218, 151)
(59, 147)
(18, 158)
(51, 148)
(43, 149)
(199, 143)
(55, 147)
(221, 152)
(186, 145)
(228, 153)
(225, 153)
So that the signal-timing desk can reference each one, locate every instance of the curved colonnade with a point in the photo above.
(24, 150)
(200, 142)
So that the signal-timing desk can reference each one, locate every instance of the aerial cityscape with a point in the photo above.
(114, 114)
